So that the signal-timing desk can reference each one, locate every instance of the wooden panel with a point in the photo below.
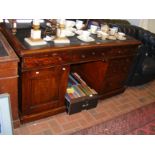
(114, 82)
(8, 69)
(9, 85)
(119, 66)
(43, 89)
(93, 73)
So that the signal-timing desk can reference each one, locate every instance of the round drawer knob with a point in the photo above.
(54, 54)
(93, 53)
(37, 72)
(84, 105)
(119, 52)
(63, 68)
(83, 56)
(60, 58)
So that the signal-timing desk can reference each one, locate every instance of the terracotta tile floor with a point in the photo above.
(132, 98)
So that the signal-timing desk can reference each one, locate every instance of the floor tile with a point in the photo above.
(132, 98)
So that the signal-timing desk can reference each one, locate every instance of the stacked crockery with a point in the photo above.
(69, 30)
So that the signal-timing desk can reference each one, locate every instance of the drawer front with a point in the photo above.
(81, 105)
(41, 61)
(122, 51)
(66, 57)
(88, 54)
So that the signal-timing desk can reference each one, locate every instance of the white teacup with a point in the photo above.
(69, 24)
(104, 28)
(116, 29)
(61, 21)
(113, 31)
(93, 28)
(79, 24)
(85, 34)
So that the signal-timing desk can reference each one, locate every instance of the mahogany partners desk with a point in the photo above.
(44, 70)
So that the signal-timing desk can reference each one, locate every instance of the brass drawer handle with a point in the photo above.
(124, 68)
(37, 72)
(60, 58)
(85, 105)
(54, 54)
(93, 53)
(83, 56)
(63, 68)
(127, 60)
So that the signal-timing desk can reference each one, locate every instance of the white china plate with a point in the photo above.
(89, 39)
(48, 38)
(71, 34)
(79, 32)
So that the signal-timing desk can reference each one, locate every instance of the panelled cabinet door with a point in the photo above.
(117, 73)
(44, 89)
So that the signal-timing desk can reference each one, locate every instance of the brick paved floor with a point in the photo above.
(132, 98)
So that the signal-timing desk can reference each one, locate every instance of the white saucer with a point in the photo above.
(111, 37)
(121, 38)
(70, 34)
(89, 39)
(79, 32)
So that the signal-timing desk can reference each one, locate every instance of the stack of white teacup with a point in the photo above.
(110, 33)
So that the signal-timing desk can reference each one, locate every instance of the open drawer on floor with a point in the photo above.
(79, 104)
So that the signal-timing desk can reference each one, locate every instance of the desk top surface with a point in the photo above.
(74, 41)
(22, 48)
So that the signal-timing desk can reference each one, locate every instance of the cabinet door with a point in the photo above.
(117, 73)
(44, 89)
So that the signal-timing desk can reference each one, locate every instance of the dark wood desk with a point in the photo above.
(44, 70)
(9, 76)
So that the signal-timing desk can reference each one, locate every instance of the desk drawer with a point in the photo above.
(41, 61)
(81, 104)
(87, 55)
(121, 51)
